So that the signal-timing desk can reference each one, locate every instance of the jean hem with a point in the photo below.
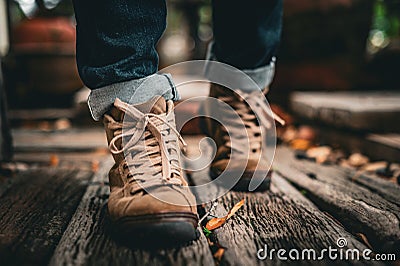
(133, 92)
(262, 76)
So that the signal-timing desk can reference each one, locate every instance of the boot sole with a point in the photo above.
(156, 230)
(244, 181)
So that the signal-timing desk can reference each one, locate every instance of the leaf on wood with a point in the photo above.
(320, 154)
(306, 133)
(372, 167)
(357, 160)
(289, 134)
(218, 255)
(62, 124)
(54, 160)
(95, 166)
(215, 223)
(235, 209)
(301, 144)
(364, 239)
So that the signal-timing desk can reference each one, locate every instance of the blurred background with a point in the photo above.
(326, 45)
(347, 46)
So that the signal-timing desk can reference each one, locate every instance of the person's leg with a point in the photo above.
(246, 36)
(116, 50)
(149, 200)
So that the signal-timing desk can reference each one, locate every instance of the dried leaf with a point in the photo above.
(357, 160)
(372, 167)
(306, 133)
(95, 166)
(62, 124)
(214, 223)
(289, 134)
(218, 255)
(364, 239)
(54, 160)
(320, 154)
(301, 144)
(235, 209)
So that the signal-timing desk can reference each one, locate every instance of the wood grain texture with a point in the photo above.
(280, 218)
(86, 241)
(370, 111)
(35, 210)
(362, 206)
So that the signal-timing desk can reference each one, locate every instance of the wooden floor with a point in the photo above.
(52, 211)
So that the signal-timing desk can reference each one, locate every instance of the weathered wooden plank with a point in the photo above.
(392, 140)
(34, 212)
(358, 110)
(52, 141)
(86, 242)
(42, 114)
(83, 160)
(374, 213)
(384, 188)
(280, 218)
(376, 147)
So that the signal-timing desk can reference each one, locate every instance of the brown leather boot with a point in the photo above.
(149, 198)
(242, 147)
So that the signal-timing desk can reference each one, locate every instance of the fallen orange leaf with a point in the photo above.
(235, 209)
(214, 223)
(218, 255)
(95, 166)
(54, 160)
(300, 144)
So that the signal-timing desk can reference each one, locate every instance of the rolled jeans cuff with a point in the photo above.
(262, 76)
(102, 99)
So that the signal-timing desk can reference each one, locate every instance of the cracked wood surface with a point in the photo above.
(95, 246)
(39, 226)
(280, 218)
(35, 210)
(370, 208)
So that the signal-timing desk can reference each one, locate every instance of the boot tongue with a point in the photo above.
(156, 105)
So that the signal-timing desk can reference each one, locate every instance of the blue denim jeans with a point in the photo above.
(116, 42)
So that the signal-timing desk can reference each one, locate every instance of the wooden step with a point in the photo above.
(372, 111)
(71, 140)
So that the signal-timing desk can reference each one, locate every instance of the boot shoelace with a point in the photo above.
(249, 107)
(154, 152)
